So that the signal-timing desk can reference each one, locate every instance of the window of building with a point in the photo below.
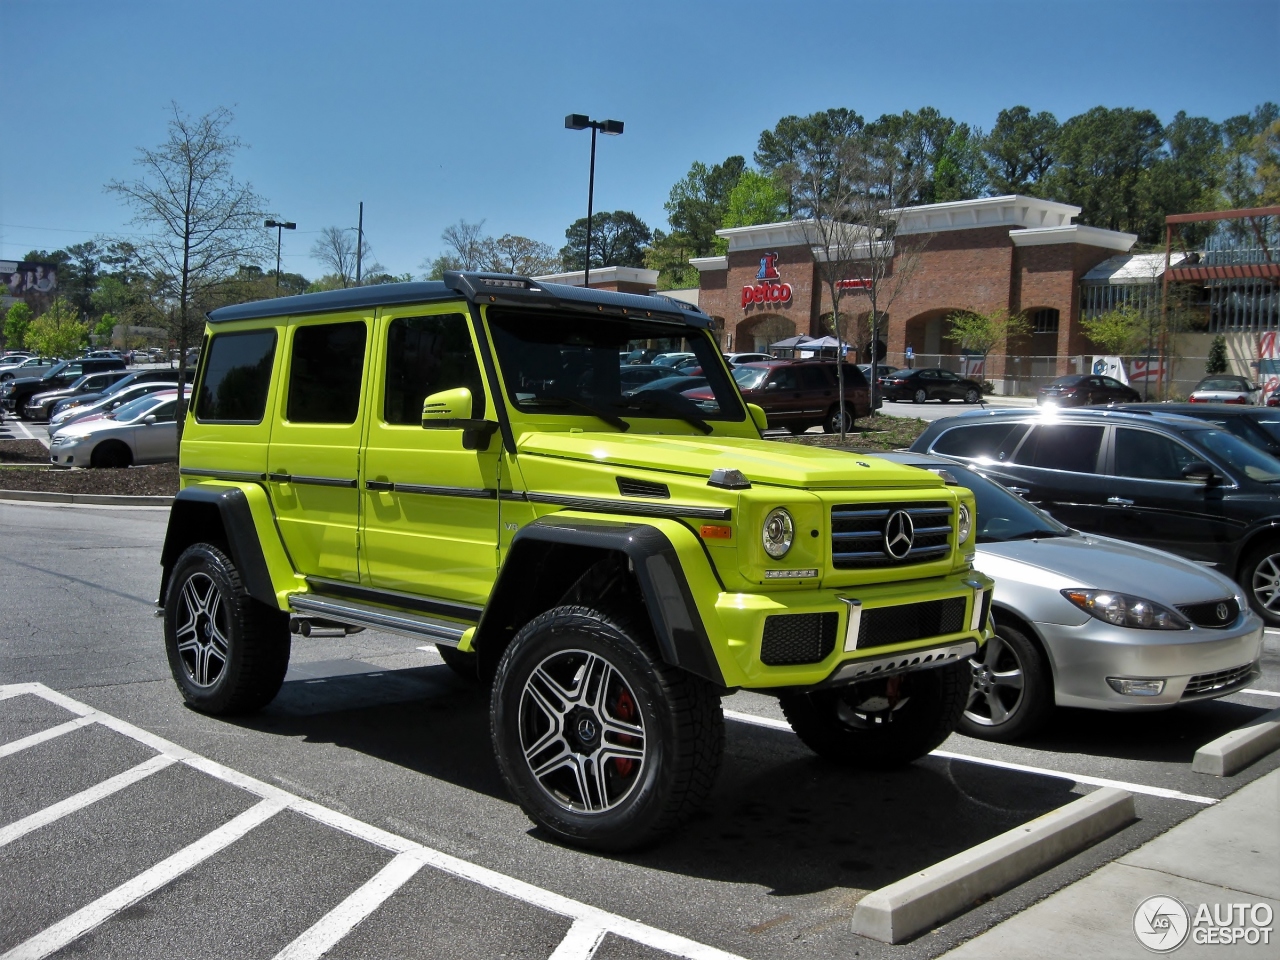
(325, 373)
(237, 374)
(426, 355)
(1044, 321)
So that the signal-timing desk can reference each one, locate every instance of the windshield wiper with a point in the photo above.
(1037, 534)
(671, 404)
(559, 399)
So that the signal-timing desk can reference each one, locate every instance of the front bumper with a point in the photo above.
(1196, 664)
(856, 616)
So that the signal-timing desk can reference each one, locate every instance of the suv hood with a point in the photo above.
(772, 462)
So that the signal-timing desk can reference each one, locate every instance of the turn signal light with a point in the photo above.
(713, 531)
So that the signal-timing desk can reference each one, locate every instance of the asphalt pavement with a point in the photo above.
(362, 813)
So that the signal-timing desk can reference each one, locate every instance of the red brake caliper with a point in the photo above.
(625, 710)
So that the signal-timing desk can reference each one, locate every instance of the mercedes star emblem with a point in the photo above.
(899, 534)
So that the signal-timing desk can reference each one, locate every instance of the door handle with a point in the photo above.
(1120, 501)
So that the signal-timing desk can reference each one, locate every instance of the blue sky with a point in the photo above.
(434, 112)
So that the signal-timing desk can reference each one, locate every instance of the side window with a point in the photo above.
(166, 412)
(992, 441)
(1062, 446)
(1113, 383)
(814, 378)
(1143, 455)
(236, 377)
(424, 356)
(785, 378)
(325, 373)
(948, 375)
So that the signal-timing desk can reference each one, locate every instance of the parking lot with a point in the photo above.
(362, 812)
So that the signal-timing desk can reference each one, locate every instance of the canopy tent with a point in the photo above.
(790, 343)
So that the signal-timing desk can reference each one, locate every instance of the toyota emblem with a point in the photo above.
(1223, 612)
(899, 534)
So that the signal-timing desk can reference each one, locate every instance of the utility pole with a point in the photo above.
(359, 242)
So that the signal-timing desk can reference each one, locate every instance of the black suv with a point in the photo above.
(1187, 486)
(15, 393)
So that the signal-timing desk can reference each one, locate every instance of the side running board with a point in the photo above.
(378, 618)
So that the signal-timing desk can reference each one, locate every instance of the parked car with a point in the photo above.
(107, 402)
(1088, 621)
(14, 393)
(39, 405)
(638, 374)
(26, 367)
(671, 359)
(799, 394)
(737, 359)
(142, 431)
(131, 378)
(1167, 481)
(882, 370)
(930, 383)
(1225, 389)
(678, 383)
(1081, 389)
(1259, 426)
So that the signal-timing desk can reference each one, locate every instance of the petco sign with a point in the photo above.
(768, 290)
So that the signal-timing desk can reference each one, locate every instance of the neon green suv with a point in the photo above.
(463, 462)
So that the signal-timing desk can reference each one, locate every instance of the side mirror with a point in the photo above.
(149, 419)
(451, 410)
(758, 417)
(1198, 471)
(772, 385)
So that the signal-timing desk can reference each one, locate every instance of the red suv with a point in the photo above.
(799, 394)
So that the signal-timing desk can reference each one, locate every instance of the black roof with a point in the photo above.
(490, 288)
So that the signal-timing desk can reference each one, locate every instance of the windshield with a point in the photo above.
(121, 384)
(750, 377)
(1002, 515)
(566, 364)
(1255, 464)
(57, 368)
(1270, 427)
(137, 408)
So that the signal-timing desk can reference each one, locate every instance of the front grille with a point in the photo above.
(1206, 683)
(1207, 614)
(630, 487)
(858, 534)
(798, 638)
(881, 626)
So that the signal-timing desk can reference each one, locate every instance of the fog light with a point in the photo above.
(1136, 688)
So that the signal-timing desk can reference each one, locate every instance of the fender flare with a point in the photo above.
(677, 625)
(207, 513)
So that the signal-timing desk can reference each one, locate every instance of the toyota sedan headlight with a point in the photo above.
(779, 532)
(1124, 610)
(964, 523)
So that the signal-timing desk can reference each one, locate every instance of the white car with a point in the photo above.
(141, 431)
(1226, 389)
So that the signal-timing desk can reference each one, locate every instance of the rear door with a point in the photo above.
(314, 457)
(158, 441)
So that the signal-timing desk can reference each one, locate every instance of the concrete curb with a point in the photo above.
(894, 913)
(1239, 748)
(104, 500)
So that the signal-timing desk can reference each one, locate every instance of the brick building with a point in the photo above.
(1020, 253)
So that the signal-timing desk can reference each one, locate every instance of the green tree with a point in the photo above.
(618, 239)
(105, 326)
(433, 269)
(815, 142)
(1120, 332)
(1241, 186)
(1186, 176)
(1217, 361)
(697, 204)
(1020, 151)
(959, 172)
(58, 332)
(1266, 154)
(511, 253)
(755, 199)
(16, 323)
(983, 332)
(669, 254)
(202, 223)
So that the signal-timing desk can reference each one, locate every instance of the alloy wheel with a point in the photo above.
(202, 632)
(997, 689)
(581, 731)
(1266, 583)
(920, 396)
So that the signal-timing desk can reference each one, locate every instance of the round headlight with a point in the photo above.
(965, 523)
(779, 531)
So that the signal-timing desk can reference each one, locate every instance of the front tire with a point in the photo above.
(602, 743)
(884, 723)
(1011, 694)
(112, 455)
(1260, 577)
(972, 396)
(228, 652)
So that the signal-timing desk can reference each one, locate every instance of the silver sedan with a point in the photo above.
(1087, 621)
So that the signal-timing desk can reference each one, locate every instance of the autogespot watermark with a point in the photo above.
(1163, 924)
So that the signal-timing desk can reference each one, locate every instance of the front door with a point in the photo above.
(1056, 468)
(430, 504)
(313, 461)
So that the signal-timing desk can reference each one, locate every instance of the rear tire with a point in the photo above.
(1011, 694)
(228, 652)
(111, 455)
(919, 396)
(860, 727)
(832, 422)
(602, 743)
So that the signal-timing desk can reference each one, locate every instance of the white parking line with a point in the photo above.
(86, 918)
(1006, 765)
(1262, 693)
(580, 943)
(16, 746)
(42, 818)
(342, 919)
(276, 799)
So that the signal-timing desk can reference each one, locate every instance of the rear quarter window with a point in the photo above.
(982, 441)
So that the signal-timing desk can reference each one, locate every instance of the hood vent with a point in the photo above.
(630, 487)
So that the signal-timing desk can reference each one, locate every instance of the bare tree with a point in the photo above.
(202, 223)
(854, 195)
(466, 243)
(336, 249)
(511, 253)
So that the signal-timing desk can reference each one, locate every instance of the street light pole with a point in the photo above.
(280, 226)
(359, 242)
(612, 128)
